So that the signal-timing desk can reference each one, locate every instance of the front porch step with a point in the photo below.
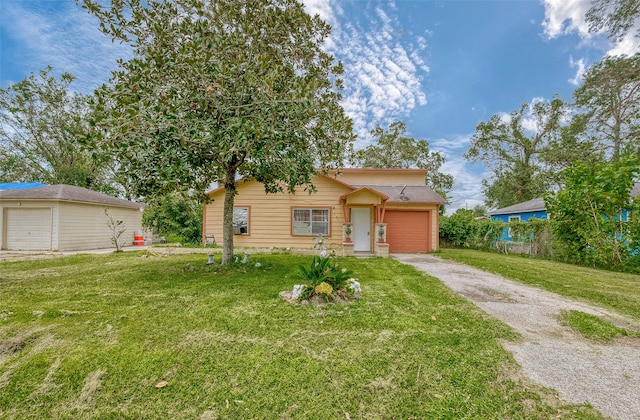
(363, 254)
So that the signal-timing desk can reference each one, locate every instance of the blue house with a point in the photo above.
(519, 212)
(536, 208)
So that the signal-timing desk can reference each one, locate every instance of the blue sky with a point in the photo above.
(442, 67)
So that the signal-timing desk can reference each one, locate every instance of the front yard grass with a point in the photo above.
(133, 336)
(616, 291)
(594, 328)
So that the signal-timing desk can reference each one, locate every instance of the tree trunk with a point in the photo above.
(617, 140)
(227, 219)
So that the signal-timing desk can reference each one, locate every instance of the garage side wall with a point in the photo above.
(85, 226)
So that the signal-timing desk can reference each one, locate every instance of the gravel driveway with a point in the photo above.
(606, 376)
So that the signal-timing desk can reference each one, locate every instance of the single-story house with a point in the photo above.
(519, 212)
(369, 211)
(536, 208)
(63, 218)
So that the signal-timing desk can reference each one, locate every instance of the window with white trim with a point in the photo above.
(310, 221)
(241, 220)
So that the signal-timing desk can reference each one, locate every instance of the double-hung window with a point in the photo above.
(241, 220)
(310, 221)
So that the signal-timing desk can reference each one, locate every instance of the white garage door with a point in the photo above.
(29, 229)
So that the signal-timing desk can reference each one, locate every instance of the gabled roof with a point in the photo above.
(419, 194)
(537, 204)
(20, 185)
(357, 190)
(63, 192)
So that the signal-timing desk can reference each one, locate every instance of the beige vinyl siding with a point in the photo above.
(85, 226)
(270, 215)
(382, 176)
(364, 197)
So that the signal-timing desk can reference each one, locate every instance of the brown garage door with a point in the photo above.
(407, 231)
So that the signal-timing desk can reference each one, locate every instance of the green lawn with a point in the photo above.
(92, 336)
(617, 291)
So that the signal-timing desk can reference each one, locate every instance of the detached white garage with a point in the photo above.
(63, 218)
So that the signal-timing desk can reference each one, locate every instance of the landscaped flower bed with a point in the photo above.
(325, 280)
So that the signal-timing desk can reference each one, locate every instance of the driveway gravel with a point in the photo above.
(605, 375)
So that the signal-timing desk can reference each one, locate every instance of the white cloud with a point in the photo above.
(383, 68)
(505, 118)
(564, 17)
(455, 145)
(69, 40)
(529, 124)
(628, 46)
(581, 68)
(320, 7)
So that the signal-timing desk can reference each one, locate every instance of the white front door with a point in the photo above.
(361, 219)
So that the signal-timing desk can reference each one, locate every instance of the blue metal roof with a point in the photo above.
(20, 185)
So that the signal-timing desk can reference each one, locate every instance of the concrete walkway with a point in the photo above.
(606, 376)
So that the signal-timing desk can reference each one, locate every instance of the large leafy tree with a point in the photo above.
(41, 123)
(515, 149)
(393, 149)
(220, 89)
(609, 101)
(617, 17)
(594, 219)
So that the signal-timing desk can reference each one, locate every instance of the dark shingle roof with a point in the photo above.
(410, 193)
(537, 204)
(67, 193)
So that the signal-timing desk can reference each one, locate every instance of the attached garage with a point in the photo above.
(63, 218)
(408, 230)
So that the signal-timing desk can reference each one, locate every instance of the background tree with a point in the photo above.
(41, 123)
(589, 216)
(514, 149)
(572, 145)
(175, 216)
(609, 102)
(617, 17)
(395, 150)
(218, 90)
